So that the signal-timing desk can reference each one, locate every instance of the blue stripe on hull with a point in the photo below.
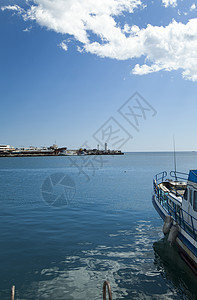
(187, 243)
(158, 209)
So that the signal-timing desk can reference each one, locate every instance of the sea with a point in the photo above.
(69, 223)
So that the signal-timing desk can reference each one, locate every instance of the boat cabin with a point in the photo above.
(181, 195)
(190, 196)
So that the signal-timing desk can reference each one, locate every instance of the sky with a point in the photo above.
(80, 73)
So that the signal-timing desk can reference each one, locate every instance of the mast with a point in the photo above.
(174, 158)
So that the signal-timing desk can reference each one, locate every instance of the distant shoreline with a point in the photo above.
(54, 150)
(56, 155)
(113, 152)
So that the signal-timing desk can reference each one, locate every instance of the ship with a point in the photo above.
(175, 199)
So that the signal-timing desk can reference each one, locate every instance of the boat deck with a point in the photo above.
(170, 195)
(178, 188)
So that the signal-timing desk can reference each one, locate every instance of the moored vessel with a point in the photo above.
(175, 199)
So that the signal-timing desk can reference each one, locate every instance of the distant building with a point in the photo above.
(105, 146)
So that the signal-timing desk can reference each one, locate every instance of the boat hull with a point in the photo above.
(185, 243)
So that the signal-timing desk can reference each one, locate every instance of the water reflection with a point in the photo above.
(128, 266)
(174, 270)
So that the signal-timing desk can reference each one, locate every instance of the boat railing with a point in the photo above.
(160, 176)
(174, 174)
(176, 192)
(179, 175)
(182, 217)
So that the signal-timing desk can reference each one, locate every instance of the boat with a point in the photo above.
(175, 199)
(68, 153)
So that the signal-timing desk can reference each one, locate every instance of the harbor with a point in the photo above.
(98, 156)
(54, 150)
(105, 231)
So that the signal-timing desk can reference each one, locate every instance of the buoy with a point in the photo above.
(167, 224)
(173, 234)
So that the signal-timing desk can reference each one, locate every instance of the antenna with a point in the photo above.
(174, 158)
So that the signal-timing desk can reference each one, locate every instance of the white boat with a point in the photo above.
(68, 153)
(175, 199)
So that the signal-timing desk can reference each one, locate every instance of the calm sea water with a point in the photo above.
(68, 224)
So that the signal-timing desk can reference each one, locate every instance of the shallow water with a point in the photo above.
(69, 223)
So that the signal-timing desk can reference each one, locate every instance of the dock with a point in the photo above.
(54, 150)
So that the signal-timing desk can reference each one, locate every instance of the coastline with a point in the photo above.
(57, 154)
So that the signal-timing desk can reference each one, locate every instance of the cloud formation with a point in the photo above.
(193, 7)
(94, 25)
(11, 7)
(167, 3)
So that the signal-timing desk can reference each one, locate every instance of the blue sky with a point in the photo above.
(68, 66)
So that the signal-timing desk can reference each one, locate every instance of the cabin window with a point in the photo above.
(195, 201)
(190, 196)
(185, 194)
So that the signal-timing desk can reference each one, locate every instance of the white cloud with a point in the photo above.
(193, 7)
(166, 48)
(10, 7)
(93, 24)
(167, 3)
(63, 46)
(14, 8)
(28, 29)
(170, 48)
(144, 69)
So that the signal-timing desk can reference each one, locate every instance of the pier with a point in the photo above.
(54, 150)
